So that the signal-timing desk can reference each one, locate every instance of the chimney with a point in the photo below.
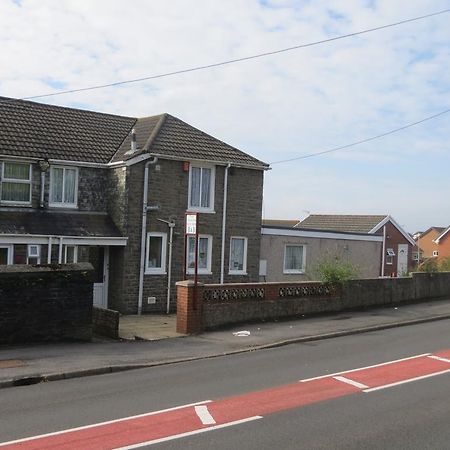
(133, 141)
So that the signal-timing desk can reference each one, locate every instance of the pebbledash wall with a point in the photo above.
(45, 303)
(168, 197)
(217, 305)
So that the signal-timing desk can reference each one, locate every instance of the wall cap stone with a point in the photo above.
(188, 283)
(27, 268)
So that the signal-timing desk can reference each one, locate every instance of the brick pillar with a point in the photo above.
(189, 310)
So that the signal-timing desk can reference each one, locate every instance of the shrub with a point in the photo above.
(444, 265)
(334, 270)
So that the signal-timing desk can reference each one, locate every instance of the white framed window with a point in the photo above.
(415, 256)
(294, 259)
(201, 188)
(70, 254)
(238, 255)
(6, 255)
(390, 256)
(156, 253)
(204, 254)
(63, 187)
(33, 254)
(435, 253)
(16, 183)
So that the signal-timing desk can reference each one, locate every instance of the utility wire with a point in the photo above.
(236, 60)
(378, 136)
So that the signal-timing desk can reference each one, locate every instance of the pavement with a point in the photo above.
(144, 346)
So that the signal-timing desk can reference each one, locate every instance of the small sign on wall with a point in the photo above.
(191, 223)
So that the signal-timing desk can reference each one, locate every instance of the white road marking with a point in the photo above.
(69, 430)
(439, 358)
(363, 368)
(204, 415)
(407, 381)
(189, 433)
(351, 382)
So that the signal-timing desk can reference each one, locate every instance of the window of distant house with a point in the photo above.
(156, 253)
(70, 254)
(201, 188)
(6, 256)
(238, 255)
(204, 254)
(16, 183)
(63, 187)
(435, 253)
(33, 254)
(390, 256)
(294, 259)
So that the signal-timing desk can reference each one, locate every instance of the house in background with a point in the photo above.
(426, 242)
(79, 186)
(443, 243)
(396, 257)
(292, 254)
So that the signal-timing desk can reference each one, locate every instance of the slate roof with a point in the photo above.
(36, 130)
(280, 223)
(57, 223)
(29, 129)
(345, 223)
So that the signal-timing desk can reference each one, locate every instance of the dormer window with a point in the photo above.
(63, 187)
(201, 188)
(16, 183)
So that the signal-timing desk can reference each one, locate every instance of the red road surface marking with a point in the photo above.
(186, 420)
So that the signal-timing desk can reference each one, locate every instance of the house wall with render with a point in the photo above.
(364, 255)
(427, 244)
(444, 246)
(168, 192)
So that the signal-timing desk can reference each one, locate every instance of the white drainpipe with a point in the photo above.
(169, 269)
(224, 223)
(143, 231)
(49, 250)
(383, 256)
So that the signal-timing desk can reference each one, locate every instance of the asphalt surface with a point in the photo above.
(21, 365)
(413, 415)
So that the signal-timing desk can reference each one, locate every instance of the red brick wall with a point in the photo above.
(444, 246)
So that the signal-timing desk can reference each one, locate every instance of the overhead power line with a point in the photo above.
(378, 136)
(235, 60)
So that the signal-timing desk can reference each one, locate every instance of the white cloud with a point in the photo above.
(275, 108)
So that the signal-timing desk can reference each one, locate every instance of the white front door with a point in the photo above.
(402, 260)
(100, 294)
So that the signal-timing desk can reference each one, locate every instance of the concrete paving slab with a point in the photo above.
(148, 327)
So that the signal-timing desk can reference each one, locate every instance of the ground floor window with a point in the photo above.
(390, 256)
(204, 254)
(70, 254)
(238, 255)
(294, 259)
(156, 253)
(33, 254)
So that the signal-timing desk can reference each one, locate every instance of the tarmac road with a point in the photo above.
(323, 413)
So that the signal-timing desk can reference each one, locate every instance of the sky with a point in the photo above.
(275, 108)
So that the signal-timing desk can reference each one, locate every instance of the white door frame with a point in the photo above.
(10, 248)
(103, 287)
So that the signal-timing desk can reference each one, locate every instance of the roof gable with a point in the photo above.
(442, 235)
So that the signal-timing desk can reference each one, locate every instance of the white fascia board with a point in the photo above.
(130, 162)
(19, 158)
(396, 225)
(69, 240)
(319, 234)
(210, 161)
(441, 236)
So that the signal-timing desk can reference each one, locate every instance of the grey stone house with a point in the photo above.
(78, 186)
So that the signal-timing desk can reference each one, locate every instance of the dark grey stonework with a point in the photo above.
(45, 303)
(168, 190)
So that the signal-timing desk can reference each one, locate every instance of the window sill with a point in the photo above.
(201, 210)
(200, 272)
(236, 272)
(18, 204)
(294, 272)
(62, 205)
(155, 272)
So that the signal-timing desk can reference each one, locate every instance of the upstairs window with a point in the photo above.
(63, 187)
(16, 183)
(435, 253)
(294, 259)
(238, 256)
(201, 188)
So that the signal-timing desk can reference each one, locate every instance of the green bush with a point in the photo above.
(334, 270)
(444, 265)
(429, 266)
